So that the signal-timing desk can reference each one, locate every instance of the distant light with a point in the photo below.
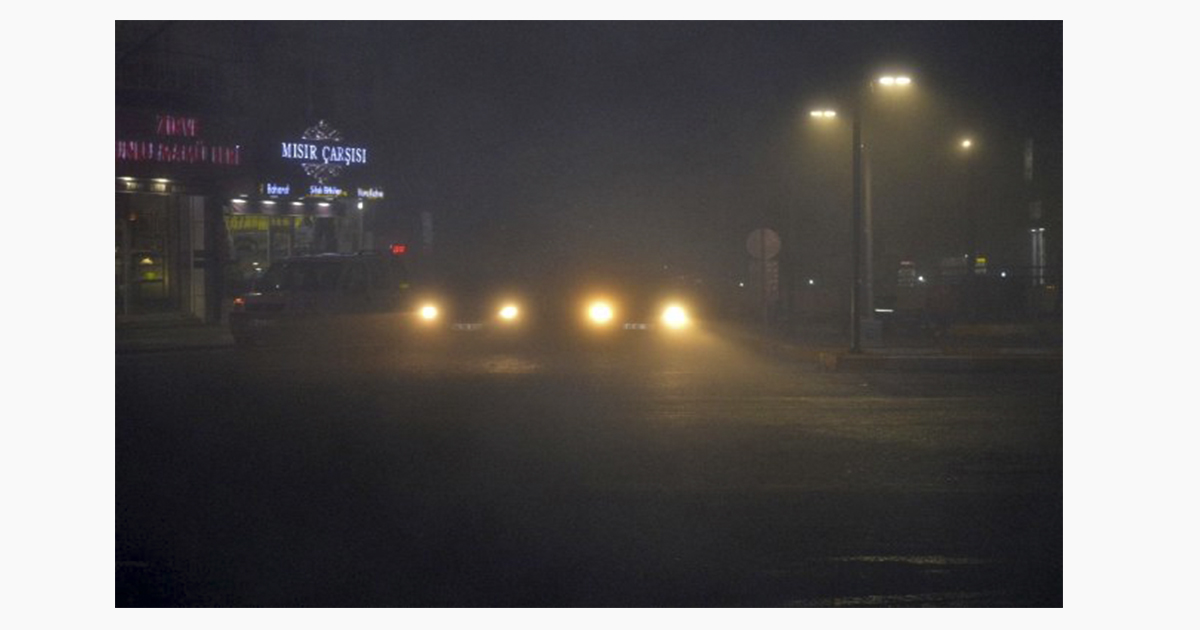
(966, 144)
(811, 282)
(146, 261)
(885, 310)
(741, 284)
(239, 201)
(1003, 274)
(268, 202)
(509, 312)
(600, 313)
(823, 113)
(920, 278)
(903, 81)
(398, 249)
(297, 203)
(675, 317)
(429, 312)
(887, 80)
(360, 206)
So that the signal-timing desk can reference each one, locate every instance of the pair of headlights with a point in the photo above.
(599, 313)
(430, 312)
(602, 313)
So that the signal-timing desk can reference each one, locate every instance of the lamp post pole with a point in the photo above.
(859, 200)
(860, 196)
(856, 227)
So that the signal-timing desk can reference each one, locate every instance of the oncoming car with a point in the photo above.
(588, 305)
(324, 298)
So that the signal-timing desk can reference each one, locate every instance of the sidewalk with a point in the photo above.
(169, 332)
(980, 353)
(945, 360)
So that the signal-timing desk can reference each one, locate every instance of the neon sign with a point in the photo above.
(322, 190)
(171, 148)
(370, 193)
(177, 126)
(277, 190)
(326, 154)
(321, 153)
(174, 153)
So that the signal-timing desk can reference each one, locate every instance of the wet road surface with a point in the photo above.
(633, 472)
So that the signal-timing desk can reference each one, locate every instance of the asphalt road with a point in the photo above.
(633, 472)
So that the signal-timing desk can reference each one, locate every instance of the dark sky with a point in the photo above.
(542, 145)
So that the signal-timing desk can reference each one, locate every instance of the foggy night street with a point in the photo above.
(637, 472)
(819, 265)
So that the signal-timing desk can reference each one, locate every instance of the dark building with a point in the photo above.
(215, 179)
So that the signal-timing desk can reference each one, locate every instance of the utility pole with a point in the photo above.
(856, 227)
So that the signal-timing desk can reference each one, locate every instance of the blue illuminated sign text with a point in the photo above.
(325, 154)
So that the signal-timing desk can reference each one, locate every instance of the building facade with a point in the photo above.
(209, 189)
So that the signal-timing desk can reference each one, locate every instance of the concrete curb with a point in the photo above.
(136, 340)
(127, 349)
(922, 359)
(998, 362)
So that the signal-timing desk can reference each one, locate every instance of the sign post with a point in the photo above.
(763, 245)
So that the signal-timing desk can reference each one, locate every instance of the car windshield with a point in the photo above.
(300, 275)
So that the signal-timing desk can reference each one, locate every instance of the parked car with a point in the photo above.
(325, 298)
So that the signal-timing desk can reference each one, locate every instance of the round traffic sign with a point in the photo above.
(763, 243)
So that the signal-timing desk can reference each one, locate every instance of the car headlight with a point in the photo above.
(600, 313)
(429, 312)
(675, 316)
(509, 312)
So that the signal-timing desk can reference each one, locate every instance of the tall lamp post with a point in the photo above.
(860, 199)
(886, 82)
(856, 230)
(966, 147)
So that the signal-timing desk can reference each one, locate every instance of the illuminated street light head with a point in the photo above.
(895, 81)
(966, 143)
(823, 113)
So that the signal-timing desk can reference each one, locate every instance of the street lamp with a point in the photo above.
(886, 82)
(861, 208)
(966, 148)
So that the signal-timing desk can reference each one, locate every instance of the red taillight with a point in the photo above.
(399, 250)
(239, 303)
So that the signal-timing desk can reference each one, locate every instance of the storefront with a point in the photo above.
(172, 171)
(200, 214)
(310, 198)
